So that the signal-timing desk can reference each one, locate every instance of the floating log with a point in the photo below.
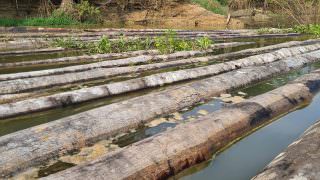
(160, 79)
(37, 145)
(24, 85)
(144, 59)
(31, 51)
(109, 56)
(172, 151)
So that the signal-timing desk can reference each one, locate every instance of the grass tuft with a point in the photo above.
(215, 6)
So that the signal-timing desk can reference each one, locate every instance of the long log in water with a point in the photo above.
(24, 85)
(103, 57)
(116, 33)
(86, 94)
(144, 59)
(79, 59)
(21, 44)
(31, 51)
(168, 153)
(39, 144)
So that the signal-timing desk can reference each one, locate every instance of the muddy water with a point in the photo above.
(249, 156)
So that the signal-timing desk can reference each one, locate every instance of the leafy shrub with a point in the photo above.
(204, 42)
(73, 15)
(216, 6)
(168, 43)
(67, 43)
(313, 29)
(103, 46)
(85, 12)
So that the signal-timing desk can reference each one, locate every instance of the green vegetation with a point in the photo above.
(274, 30)
(216, 6)
(82, 13)
(39, 21)
(313, 29)
(167, 43)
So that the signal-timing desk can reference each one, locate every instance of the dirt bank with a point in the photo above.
(137, 13)
(179, 15)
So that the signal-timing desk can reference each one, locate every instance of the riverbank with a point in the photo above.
(155, 14)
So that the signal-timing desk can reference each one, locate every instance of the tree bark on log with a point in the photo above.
(24, 85)
(37, 145)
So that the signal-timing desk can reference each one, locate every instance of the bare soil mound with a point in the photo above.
(174, 15)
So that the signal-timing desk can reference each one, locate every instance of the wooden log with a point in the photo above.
(172, 151)
(110, 56)
(24, 85)
(160, 79)
(31, 51)
(37, 145)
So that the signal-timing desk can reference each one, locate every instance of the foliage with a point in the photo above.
(300, 11)
(216, 6)
(245, 4)
(274, 31)
(168, 43)
(86, 12)
(77, 14)
(313, 29)
(204, 42)
(40, 21)
(103, 46)
(67, 43)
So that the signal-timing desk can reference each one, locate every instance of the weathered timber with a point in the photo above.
(170, 152)
(24, 85)
(144, 59)
(299, 161)
(160, 79)
(83, 58)
(103, 57)
(21, 44)
(37, 145)
(31, 51)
